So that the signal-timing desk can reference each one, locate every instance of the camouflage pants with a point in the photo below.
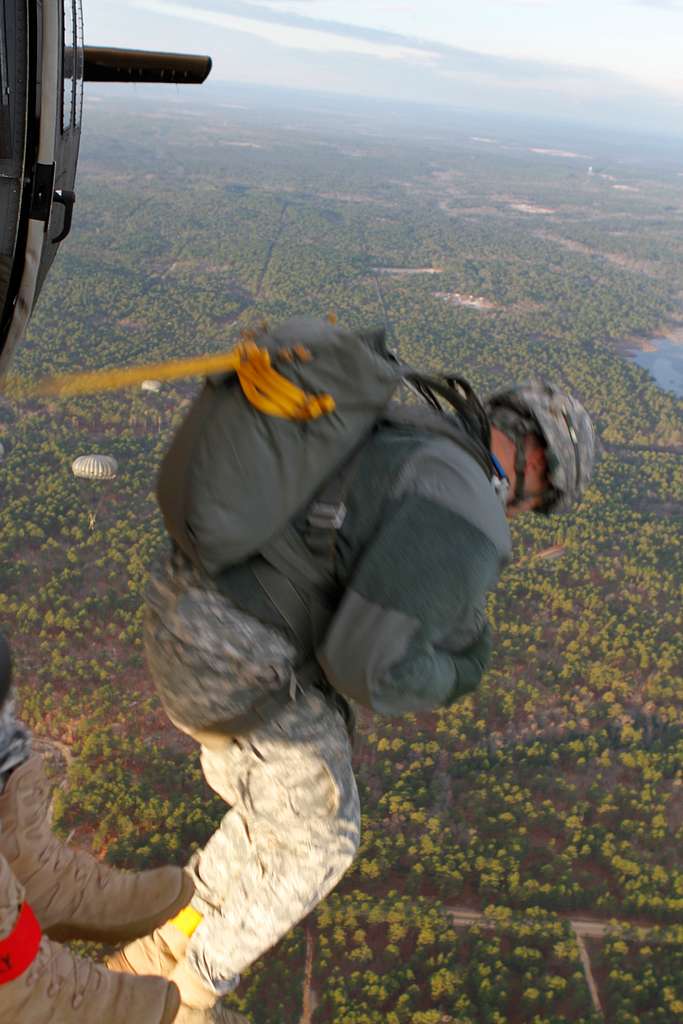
(293, 824)
(15, 741)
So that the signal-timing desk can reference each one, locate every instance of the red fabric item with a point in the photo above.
(20, 948)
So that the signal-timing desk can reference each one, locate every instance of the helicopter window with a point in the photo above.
(79, 63)
(5, 131)
(72, 104)
(68, 95)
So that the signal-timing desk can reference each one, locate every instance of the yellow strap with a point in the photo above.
(187, 921)
(272, 394)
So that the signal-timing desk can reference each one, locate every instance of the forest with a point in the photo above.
(521, 856)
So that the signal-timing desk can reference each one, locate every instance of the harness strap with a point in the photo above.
(262, 711)
(520, 469)
(325, 516)
(289, 555)
(287, 599)
(266, 708)
(20, 948)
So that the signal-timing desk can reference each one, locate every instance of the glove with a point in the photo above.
(471, 663)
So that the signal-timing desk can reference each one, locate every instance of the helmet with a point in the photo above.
(564, 427)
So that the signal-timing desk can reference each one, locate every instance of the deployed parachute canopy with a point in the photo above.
(97, 469)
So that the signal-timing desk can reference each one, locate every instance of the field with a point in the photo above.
(521, 850)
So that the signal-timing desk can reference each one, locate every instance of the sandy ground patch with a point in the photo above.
(559, 152)
(645, 267)
(406, 271)
(671, 332)
(530, 208)
(459, 299)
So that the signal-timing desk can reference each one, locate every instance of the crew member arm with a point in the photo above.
(410, 633)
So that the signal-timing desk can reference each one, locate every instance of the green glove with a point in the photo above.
(471, 663)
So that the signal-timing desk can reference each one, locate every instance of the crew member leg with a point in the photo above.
(72, 894)
(15, 741)
(294, 821)
(41, 981)
(291, 833)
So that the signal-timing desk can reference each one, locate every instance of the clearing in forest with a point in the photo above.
(406, 271)
(530, 208)
(459, 299)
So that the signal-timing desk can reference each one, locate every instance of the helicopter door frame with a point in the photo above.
(50, 97)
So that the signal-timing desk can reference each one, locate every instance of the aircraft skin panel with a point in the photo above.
(49, 58)
(19, 44)
(27, 290)
(12, 131)
(58, 145)
(7, 30)
(43, 65)
(67, 76)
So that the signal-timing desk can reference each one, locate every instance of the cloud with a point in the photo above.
(271, 45)
(293, 32)
(664, 5)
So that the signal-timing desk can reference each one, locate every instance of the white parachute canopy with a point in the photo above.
(95, 467)
(98, 469)
(153, 386)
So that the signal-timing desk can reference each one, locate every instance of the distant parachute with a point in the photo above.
(96, 469)
(153, 386)
(556, 551)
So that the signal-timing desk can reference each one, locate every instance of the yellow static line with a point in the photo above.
(67, 385)
(265, 388)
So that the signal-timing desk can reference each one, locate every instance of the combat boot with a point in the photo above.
(73, 895)
(61, 988)
(218, 1014)
(43, 983)
(163, 953)
(157, 953)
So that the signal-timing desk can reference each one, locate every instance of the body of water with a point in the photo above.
(665, 364)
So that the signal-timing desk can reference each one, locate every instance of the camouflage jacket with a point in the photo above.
(424, 539)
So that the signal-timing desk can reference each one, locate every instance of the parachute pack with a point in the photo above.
(260, 444)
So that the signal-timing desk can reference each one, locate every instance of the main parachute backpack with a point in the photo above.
(258, 444)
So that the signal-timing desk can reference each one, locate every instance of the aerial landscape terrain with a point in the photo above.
(521, 850)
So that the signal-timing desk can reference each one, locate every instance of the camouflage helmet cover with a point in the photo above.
(565, 428)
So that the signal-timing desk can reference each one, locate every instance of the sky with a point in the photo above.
(605, 61)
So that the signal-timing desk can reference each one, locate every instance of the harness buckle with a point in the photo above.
(323, 516)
